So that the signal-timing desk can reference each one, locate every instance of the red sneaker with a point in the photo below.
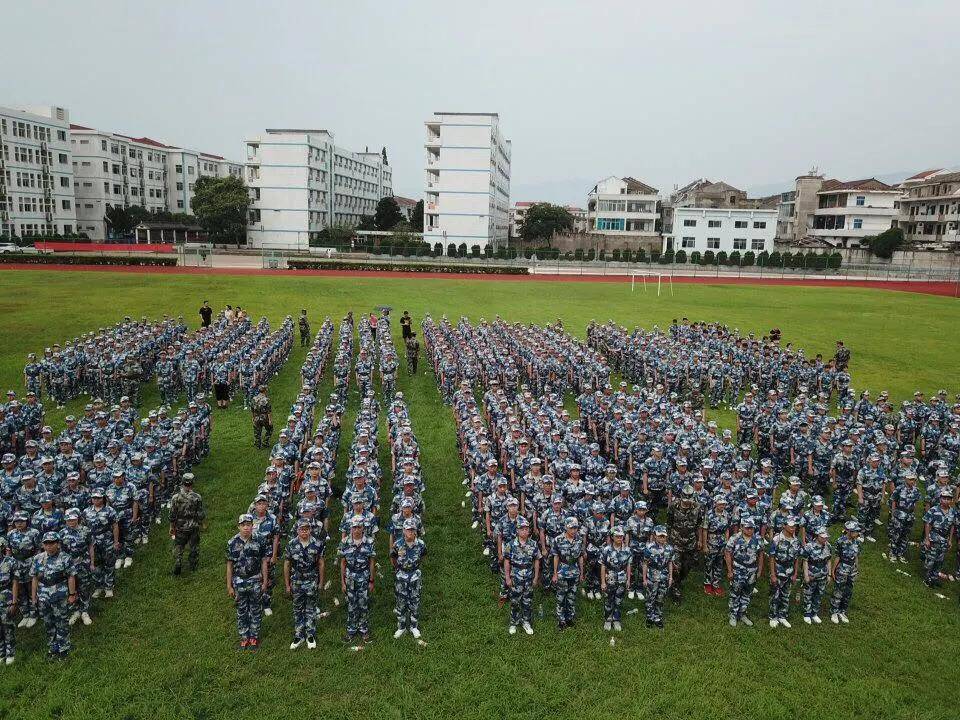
(708, 589)
(718, 591)
(243, 644)
(253, 643)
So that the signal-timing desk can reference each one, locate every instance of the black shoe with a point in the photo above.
(659, 624)
(933, 583)
(367, 637)
(348, 638)
(561, 625)
(571, 623)
(193, 567)
(650, 623)
(176, 570)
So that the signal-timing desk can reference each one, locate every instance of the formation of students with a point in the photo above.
(631, 496)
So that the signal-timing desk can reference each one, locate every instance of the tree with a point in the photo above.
(387, 213)
(119, 221)
(416, 222)
(220, 205)
(367, 222)
(884, 244)
(543, 220)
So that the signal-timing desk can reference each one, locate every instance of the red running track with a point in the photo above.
(946, 289)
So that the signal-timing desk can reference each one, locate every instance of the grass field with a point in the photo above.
(165, 647)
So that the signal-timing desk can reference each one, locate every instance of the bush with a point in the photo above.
(654, 256)
(695, 258)
(475, 251)
(501, 253)
(295, 264)
(578, 254)
(680, 257)
(451, 250)
(884, 244)
(749, 258)
(615, 255)
(602, 256)
(667, 257)
(835, 261)
(735, 258)
(568, 256)
(591, 255)
(709, 258)
(641, 255)
(722, 258)
(462, 250)
(488, 251)
(437, 249)
(786, 259)
(49, 259)
(775, 259)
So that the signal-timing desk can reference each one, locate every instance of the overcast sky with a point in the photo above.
(753, 93)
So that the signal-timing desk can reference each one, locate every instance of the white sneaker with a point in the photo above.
(157, 521)
(871, 538)
(640, 597)
(774, 623)
(145, 540)
(127, 562)
(22, 623)
(877, 522)
(85, 617)
(631, 594)
(297, 642)
(835, 619)
(807, 619)
(746, 621)
(268, 611)
(415, 631)
(9, 660)
(817, 620)
(784, 623)
(512, 630)
(468, 494)
(733, 622)
(118, 564)
(475, 525)
(486, 552)
(904, 560)
(311, 643)
(527, 629)
(97, 593)
(31, 622)
(399, 633)
(844, 619)
(617, 626)
(74, 618)
(606, 626)
(108, 593)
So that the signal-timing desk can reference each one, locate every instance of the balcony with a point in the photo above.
(433, 141)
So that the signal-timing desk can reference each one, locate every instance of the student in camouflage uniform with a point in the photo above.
(357, 571)
(247, 581)
(903, 504)
(303, 324)
(816, 556)
(186, 518)
(939, 526)
(262, 418)
(521, 572)
(9, 588)
(303, 577)
(744, 556)
(657, 574)
(784, 553)
(685, 520)
(846, 565)
(413, 352)
(408, 581)
(54, 592)
(567, 571)
(615, 570)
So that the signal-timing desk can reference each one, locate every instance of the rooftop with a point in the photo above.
(866, 184)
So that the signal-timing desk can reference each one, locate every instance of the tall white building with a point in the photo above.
(847, 212)
(111, 169)
(301, 182)
(36, 172)
(623, 207)
(467, 198)
(929, 209)
(721, 230)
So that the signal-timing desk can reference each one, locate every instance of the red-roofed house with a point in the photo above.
(848, 211)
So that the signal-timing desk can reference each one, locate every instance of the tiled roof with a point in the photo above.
(834, 185)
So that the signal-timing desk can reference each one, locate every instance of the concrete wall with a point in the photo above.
(585, 241)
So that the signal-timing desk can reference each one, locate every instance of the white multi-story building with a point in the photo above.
(467, 198)
(623, 207)
(721, 230)
(847, 212)
(301, 182)
(929, 209)
(36, 172)
(111, 169)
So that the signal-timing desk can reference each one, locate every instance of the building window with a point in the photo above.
(64, 182)
(688, 242)
(610, 224)
(180, 204)
(178, 169)
(757, 244)
(759, 225)
(179, 186)
(713, 223)
(65, 204)
(106, 188)
(117, 190)
(861, 200)
(739, 243)
(740, 223)
(858, 223)
(63, 158)
(713, 243)
(103, 144)
(689, 223)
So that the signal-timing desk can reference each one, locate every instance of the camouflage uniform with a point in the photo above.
(657, 559)
(8, 627)
(408, 582)
(247, 558)
(304, 558)
(847, 552)
(523, 557)
(784, 550)
(52, 572)
(262, 427)
(817, 557)
(357, 555)
(684, 518)
(745, 555)
(186, 517)
(616, 560)
(569, 552)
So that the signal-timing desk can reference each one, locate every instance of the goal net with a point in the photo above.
(651, 277)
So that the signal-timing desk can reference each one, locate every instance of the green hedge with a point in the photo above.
(404, 267)
(48, 259)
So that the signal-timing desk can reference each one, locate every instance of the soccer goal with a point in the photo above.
(651, 276)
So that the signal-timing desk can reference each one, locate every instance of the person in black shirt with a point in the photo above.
(406, 323)
(206, 314)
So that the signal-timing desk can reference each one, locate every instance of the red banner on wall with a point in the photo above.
(103, 247)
